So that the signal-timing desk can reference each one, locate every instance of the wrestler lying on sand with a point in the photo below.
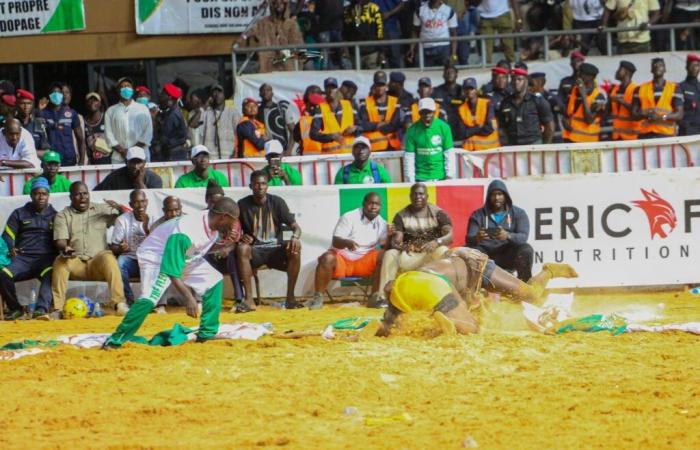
(447, 285)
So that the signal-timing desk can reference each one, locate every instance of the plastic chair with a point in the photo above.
(364, 284)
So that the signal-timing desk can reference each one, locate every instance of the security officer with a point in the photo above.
(691, 96)
(396, 88)
(35, 125)
(538, 85)
(567, 83)
(29, 236)
(583, 113)
(450, 97)
(525, 118)
(498, 88)
(62, 126)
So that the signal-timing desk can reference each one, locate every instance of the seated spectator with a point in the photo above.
(362, 170)
(380, 116)
(213, 193)
(130, 230)
(250, 132)
(51, 163)
(17, 147)
(172, 208)
(79, 234)
(277, 117)
(354, 252)
(262, 217)
(35, 125)
(433, 20)
(202, 172)
(170, 138)
(29, 238)
(428, 147)
(500, 230)
(363, 22)
(127, 124)
(218, 129)
(422, 233)
(65, 131)
(279, 173)
(335, 125)
(134, 175)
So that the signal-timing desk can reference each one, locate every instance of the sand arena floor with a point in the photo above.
(504, 388)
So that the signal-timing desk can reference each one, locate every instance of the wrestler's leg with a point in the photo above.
(453, 316)
(505, 283)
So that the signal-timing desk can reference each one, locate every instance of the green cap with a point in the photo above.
(51, 156)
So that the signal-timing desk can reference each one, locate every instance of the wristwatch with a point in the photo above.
(439, 241)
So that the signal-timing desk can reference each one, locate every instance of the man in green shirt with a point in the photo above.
(200, 175)
(429, 155)
(279, 173)
(362, 170)
(50, 164)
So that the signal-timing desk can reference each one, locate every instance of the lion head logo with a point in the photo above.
(660, 213)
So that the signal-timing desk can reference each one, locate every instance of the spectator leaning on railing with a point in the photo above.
(201, 172)
(134, 174)
(17, 147)
(362, 170)
(51, 163)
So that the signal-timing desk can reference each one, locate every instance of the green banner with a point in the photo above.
(22, 17)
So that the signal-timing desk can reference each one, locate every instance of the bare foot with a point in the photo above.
(560, 270)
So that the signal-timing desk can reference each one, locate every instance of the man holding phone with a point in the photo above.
(500, 230)
(279, 173)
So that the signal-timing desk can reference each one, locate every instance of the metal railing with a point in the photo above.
(546, 35)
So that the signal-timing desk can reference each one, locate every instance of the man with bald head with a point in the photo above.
(172, 208)
(17, 150)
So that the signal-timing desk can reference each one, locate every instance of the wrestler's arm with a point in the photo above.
(388, 320)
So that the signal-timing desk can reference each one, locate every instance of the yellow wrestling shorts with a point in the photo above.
(419, 291)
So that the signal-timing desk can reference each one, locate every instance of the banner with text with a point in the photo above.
(21, 17)
(195, 16)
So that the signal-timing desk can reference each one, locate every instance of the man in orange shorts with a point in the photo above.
(356, 237)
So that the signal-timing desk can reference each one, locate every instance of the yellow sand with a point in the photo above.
(504, 388)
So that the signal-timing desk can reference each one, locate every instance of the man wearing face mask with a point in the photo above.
(142, 95)
(127, 123)
(133, 175)
(66, 135)
(171, 134)
(35, 125)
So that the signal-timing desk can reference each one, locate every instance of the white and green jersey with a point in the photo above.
(177, 243)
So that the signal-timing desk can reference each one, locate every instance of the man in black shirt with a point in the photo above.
(450, 97)
(262, 217)
(396, 88)
(525, 118)
(132, 176)
(171, 128)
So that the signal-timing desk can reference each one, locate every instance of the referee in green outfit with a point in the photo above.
(428, 147)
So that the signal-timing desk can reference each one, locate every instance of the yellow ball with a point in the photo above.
(75, 308)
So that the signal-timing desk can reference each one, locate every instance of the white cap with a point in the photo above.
(362, 140)
(273, 146)
(197, 149)
(136, 153)
(426, 103)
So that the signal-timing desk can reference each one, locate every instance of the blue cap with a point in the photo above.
(469, 83)
(40, 183)
(397, 77)
(330, 82)
(350, 84)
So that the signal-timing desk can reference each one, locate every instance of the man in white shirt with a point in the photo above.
(356, 237)
(130, 230)
(219, 125)
(17, 149)
(435, 20)
(587, 14)
(128, 123)
(496, 19)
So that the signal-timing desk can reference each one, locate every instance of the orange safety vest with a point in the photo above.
(331, 125)
(625, 127)
(664, 106)
(581, 131)
(477, 142)
(308, 145)
(415, 115)
(379, 140)
(249, 149)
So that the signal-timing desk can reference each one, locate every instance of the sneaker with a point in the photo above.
(316, 302)
(160, 310)
(14, 315)
(56, 315)
(40, 315)
(122, 309)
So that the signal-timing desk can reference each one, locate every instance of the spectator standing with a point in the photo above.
(202, 172)
(277, 118)
(683, 11)
(500, 230)
(588, 14)
(391, 11)
(363, 22)
(659, 103)
(498, 88)
(50, 165)
(219, 127)
(435, 20)
(195, 118)
(250, 132)
(130, 230)
(380, 116)
(142, 95)
(170, 141)
(127, 123)
(279, 173)
(460, 9)
(80, 236)
(35, 125)
(362, 170)
(98, 152)
(625, 125)
(632, 14)
(348, 90)
(134, 174)
(17, 147)
(449, 96)
(691, 95)
(425, 90)
(478, 120)
(172, 208)
(329, 14)
(538, 85)
(302, 130)
(496, 19)
(567, 83)
(63, 126)
(335, 123)
(262, 217)
(29, 238)
(525, 118)
(428, 147)
(585, 109)
(396, 88)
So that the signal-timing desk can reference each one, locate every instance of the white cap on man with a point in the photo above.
(136, 152)
(362, 140)
(197, 149)
(426, 104)
(273, 146)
